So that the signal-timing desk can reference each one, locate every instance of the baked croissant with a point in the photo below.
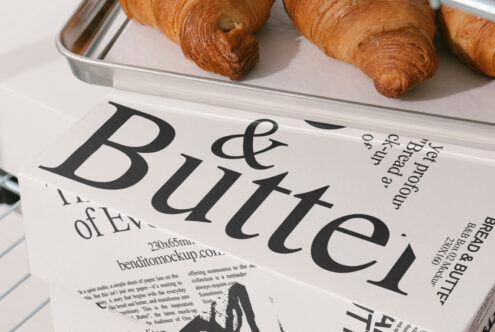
(216, 34)
(471, 38)
(391, 41)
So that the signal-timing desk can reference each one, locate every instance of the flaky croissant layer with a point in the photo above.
(216, 34)
(471, 38)
(391, 41)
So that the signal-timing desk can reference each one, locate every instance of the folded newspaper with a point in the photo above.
(174, 216)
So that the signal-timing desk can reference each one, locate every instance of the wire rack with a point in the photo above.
(12, 293)
(9, 188)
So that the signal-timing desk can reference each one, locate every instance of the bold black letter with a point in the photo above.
(319, 248)
(392, 279)
(138, 168)
(267, 186)
(308, 200)
(198, 213)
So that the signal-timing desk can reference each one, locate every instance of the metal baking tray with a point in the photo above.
(96, 25)
(483, 8)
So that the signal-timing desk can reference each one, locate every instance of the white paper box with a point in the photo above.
(70, 313)
(350, 230)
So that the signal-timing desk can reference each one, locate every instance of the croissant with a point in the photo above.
(391, 41)
(216, 34)
(471, 38)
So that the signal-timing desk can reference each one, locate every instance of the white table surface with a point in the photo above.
(39, 96)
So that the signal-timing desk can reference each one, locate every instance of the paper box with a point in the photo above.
(188, 217)
(70, 313)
